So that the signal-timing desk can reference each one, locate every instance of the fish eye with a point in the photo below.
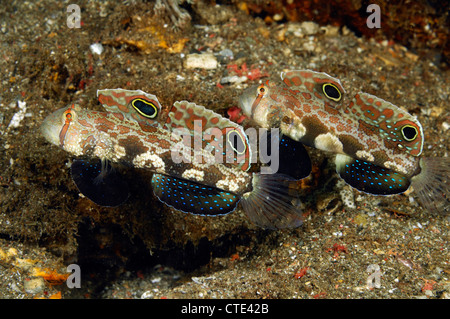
(409, 132)
(145, 108)
(261, 90)
(69, 114)
(236, 141)
(332, 92)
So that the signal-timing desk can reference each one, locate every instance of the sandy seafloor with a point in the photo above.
(143, 249)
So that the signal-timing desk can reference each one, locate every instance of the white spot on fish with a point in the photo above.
(144, 160)
(364, 155)
(193, 174)
(328, 142)
(119, 151)
(295, 130)
(232, 185)
(395, 167)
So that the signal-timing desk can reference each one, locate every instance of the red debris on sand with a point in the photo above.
(338, 248)
(320, 295)
(429, 284)
(234, 113)
(252, 74)
(301, 273)
(234, 257)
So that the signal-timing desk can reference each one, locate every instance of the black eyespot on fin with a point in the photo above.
(145, 108)
(236, 141)
(332, 92)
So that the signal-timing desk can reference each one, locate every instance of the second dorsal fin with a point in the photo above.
(218, 133)
(99, 182)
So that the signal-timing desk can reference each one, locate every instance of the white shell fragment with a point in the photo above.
(201, 61)
(19, 116)
(96, 48)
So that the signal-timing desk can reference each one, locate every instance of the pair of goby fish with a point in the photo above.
(378, 147)
(201, 161)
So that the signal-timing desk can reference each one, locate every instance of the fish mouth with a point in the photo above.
(246, 100)
(51, 127)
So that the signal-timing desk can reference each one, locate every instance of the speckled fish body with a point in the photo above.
(379, 145)
(111, 136)
(134, 131)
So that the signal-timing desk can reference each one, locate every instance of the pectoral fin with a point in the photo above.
(370, 178)
(293, 159)
(99, 182)
(192, 197)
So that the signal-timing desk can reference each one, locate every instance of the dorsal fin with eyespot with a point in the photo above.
(393, 124)
(134, 105)
(218, 133)
(319, 84)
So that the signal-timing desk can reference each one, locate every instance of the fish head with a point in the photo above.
(64, 129)
(53, 124)
(256, 103)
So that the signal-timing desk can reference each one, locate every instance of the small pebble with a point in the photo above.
(96, 48)
(200, 61)
(233, 79)
(147, 295)
(19, 116)
(34, 285)
(309, 27)
(226, 53)
(304, 28)
(361, 219)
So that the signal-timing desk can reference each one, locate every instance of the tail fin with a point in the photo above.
(270, 204)
(432, 184)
